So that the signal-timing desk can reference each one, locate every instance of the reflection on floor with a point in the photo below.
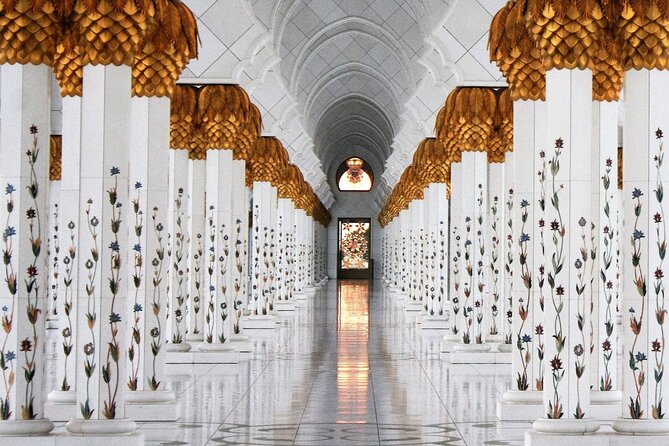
(343, 371)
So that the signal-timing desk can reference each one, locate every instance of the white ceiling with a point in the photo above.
(351, 65)
(333, 76)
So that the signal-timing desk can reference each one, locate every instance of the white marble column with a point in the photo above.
(603, 238)
(436, 212)
(147, 220)
(523, 401)
(53, 253)
(456, 260)
(507, 252)
(24, 151)
(495, 215)
(197, 291)
(284, 223)
(61, 404)
(102, 312)
(643, 303)
(264, 215)
(475, 285)
(218, 269)
(238, 249)
(177, 228)
(569, 215)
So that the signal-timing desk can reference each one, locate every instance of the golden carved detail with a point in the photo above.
(286, 186)
(55, 157)
(110, 31)
(249, 134)
(567, 31)
(642, 32)
(67, 65)
(475, 119)
(184, 118)
(268, 161)
(30, 30)
(517, 54)
(223, 110)
(501, 140)
(197, 154)
(607, 72)
(170, 42)
(431, 161)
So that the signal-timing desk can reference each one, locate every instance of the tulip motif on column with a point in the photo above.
(658, 345)
(441, 263)
(606, 274)
(90, 362)
(541, 273)
(523, 338)
(211, 265)
(508, 268)
(156, 331)
(198, 277)
(582, 281)
(479, 301)
(223, 260)
(68, 305)
(178, 259)
(638, 361)
(110, 370)
(494, 269)
(455, 301)
(467, 310)
(54, 277)
(30, 345)
(238, 277)
(135, 349)
(558, 363)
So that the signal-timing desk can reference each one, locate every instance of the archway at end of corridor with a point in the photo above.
(354, 248)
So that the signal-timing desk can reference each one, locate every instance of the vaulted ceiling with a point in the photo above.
(333, 78)
(351, 65)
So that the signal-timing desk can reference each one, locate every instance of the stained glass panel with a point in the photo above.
(354, 244)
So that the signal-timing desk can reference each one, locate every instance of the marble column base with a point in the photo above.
(300, 296)
(205, 354)
(115, 427)
(421, 314)
(241, 342)
(284, 306)
(478, 354)
(628, 426)
(411, 310)
(190, 337)
(159, 405)
(401, 296)
(18, 428)
(517, 405)
(606, 405)
(447, 343)
(61, 405)
(504, 347)
(180, 347)
(435, 323)
(266, 322)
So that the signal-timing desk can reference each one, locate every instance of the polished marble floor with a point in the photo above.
(345, 370)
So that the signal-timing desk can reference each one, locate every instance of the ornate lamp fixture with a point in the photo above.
(354, 172)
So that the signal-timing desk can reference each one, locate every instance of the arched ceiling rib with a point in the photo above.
(351, 65)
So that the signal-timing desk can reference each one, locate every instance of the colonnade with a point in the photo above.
(151, 232)
(556, 225)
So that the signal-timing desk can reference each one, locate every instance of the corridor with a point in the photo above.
(341, 373)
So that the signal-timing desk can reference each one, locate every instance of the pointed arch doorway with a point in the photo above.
(354, 247)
